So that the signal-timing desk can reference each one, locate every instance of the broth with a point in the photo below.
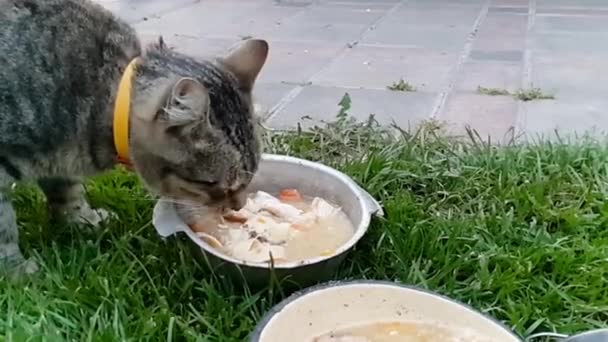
(411, 331)
(292, 228)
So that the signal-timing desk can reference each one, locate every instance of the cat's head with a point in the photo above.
(193, 128)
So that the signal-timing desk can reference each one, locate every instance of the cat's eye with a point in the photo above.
(206, 183)
(201, 182)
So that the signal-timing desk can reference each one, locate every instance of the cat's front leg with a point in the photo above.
(66, 199)
(12, 262)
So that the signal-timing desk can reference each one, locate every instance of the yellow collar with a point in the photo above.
(122, 107)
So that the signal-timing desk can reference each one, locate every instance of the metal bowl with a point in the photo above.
(275, 173)
(598, 335)
(327, 307)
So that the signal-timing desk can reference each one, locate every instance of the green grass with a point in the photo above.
(533, 94)
(401, 85)
(521, 94)
(493, 91)
(520, 233)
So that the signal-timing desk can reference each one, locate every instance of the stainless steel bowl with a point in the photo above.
(598, 335)
(336, 305)
(275, 173)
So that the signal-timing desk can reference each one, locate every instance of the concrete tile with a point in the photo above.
(489, 75)
(507, 24)
(218, 20)
(508, 10)
(316, 32)
(267, 95)
(444, 40)
(551, 11)
(571, 24)
(431, 18)
(321, 104)
(294, 3)
(445, 4)
(192, 46)
(341, 25)
(560, 44)
(496, 39)
(514, 3)
(513, 56)
(378, 67)
(369, 3)
(492, 116)
(363, 5)
(567, 116)
(296, 62)
(338, 15)
(571, 3)
(566, 76)
(134, 11)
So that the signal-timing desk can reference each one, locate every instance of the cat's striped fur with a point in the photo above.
(192, 128)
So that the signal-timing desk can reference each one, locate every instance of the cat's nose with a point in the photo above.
(237, 201)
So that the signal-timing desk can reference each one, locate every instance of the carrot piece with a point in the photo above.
(290, 195)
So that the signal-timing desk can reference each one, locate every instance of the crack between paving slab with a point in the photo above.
(466, 52)
(526, 79)
(347, 47)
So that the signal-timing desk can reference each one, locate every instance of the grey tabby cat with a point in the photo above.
(192, 129)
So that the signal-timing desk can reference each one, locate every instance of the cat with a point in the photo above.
(192, 132)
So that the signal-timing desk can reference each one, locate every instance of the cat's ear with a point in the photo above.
(188, 102)
(246, 61)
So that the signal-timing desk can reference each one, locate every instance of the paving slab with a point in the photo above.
(570, 76)
(134, 11)
(507, 23)
(193, 46)
(521, 11)
(449, 40)
(514, 3)
(321, 103)
(267, 95)
(489, 75)
(411, 17)
(320, 49)
(571, 24)
(367, 66)
(571, 3)
(577, 11)
(296, 62)
(205, 19)
(489, 116)
(445, 4)
(497, 39)
(561, 44)
(569, 117)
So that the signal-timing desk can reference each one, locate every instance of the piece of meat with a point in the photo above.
(255, 251)
(269, 228)
(263, 201)
(210, 240)
(240, 216)
(322, 209)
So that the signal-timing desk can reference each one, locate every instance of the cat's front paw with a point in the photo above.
(87, 215)
(17, 267)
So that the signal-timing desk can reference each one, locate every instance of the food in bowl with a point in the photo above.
(376, 311)
(286, 228)
(401, 331)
